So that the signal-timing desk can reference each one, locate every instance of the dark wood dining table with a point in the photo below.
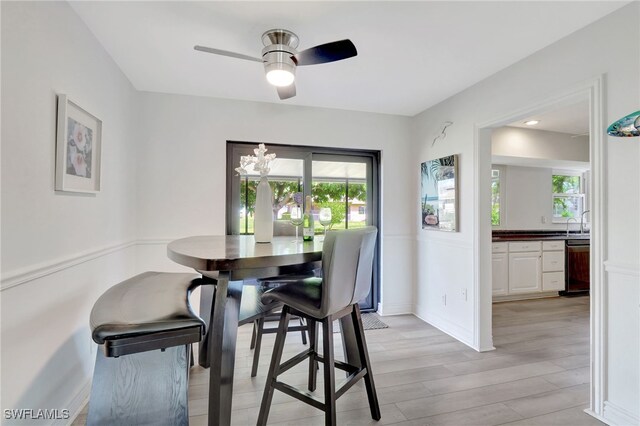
(229, 297)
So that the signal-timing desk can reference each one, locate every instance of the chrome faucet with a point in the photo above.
(569, 220)
(582, 220)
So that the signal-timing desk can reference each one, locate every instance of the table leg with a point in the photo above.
(222, 351)
(207, 294)
(349, 342)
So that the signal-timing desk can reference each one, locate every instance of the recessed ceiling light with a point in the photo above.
(531, 122)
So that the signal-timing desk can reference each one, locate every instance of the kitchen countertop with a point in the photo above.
(501, 236)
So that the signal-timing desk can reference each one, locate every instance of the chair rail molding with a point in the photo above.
(31, 273)
(621, 268)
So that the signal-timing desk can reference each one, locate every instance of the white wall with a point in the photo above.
(59, 251)
(441, 257)
(182, 171)
(528, 197)
(541, 144)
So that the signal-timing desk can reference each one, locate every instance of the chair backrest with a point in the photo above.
(347, 265)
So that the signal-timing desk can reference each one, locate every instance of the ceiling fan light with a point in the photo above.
(280, 78)
(280, 75)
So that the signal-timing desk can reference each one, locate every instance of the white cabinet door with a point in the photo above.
(552, 281)
(552, 261)
(525, 273)
(500, 271)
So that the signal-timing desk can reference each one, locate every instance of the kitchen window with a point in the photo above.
(497, 196)
(568, 196)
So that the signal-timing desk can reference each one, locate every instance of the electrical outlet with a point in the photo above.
(464, 294)
(444, 299)
(543, 219)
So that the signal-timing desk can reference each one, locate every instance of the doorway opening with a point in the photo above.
(563, 206)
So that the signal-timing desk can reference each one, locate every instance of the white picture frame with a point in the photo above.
(78, 148)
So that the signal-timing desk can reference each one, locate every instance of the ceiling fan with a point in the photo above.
(280, 57)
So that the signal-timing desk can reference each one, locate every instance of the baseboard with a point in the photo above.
(385, 310)
(525, 296)
(448, 327)
(595, 415)
(77, 404)
(615, 415)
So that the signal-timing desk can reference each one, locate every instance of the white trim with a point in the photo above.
(16, 278)
(385, 310)
(77, 403)
(448, 243)
(525, 296)
(598, 200)
(398, 236)
(616, 415)
(595, 415)
(154, 242)
(620, 268)
(454, 330)
(594, 90)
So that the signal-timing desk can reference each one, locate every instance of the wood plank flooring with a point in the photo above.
(538, 374)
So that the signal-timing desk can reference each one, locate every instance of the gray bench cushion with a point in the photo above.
(147, 304)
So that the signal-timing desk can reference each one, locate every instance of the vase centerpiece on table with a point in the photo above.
(263, 214)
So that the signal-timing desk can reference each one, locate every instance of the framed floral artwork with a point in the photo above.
(78, 148)
(439, 193)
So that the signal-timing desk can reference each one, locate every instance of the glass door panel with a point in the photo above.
(346, 182)
(286, 180)
(341, 187)
(341, 183)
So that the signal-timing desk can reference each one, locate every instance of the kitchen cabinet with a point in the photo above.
(553, 266)
(552, 281)
(525, 273)
(529, 268)
(500, 268)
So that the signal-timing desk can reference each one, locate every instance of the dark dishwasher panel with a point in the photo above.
(577, 266)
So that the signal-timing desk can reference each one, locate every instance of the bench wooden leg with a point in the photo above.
(142, 388)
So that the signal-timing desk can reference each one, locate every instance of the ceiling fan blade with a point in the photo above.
(329, 52)
(286, 92)
(226, 53)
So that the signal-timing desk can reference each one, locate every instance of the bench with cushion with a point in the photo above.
(145, 327)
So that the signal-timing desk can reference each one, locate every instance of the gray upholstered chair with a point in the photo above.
(347, 263)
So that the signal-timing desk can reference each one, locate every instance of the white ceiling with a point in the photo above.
(411, 55)
(572, 119)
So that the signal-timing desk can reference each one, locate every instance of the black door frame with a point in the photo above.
(235, 149)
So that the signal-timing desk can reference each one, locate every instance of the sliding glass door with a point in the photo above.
(343, 185)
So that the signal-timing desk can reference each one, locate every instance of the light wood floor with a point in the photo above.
(538, 374)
